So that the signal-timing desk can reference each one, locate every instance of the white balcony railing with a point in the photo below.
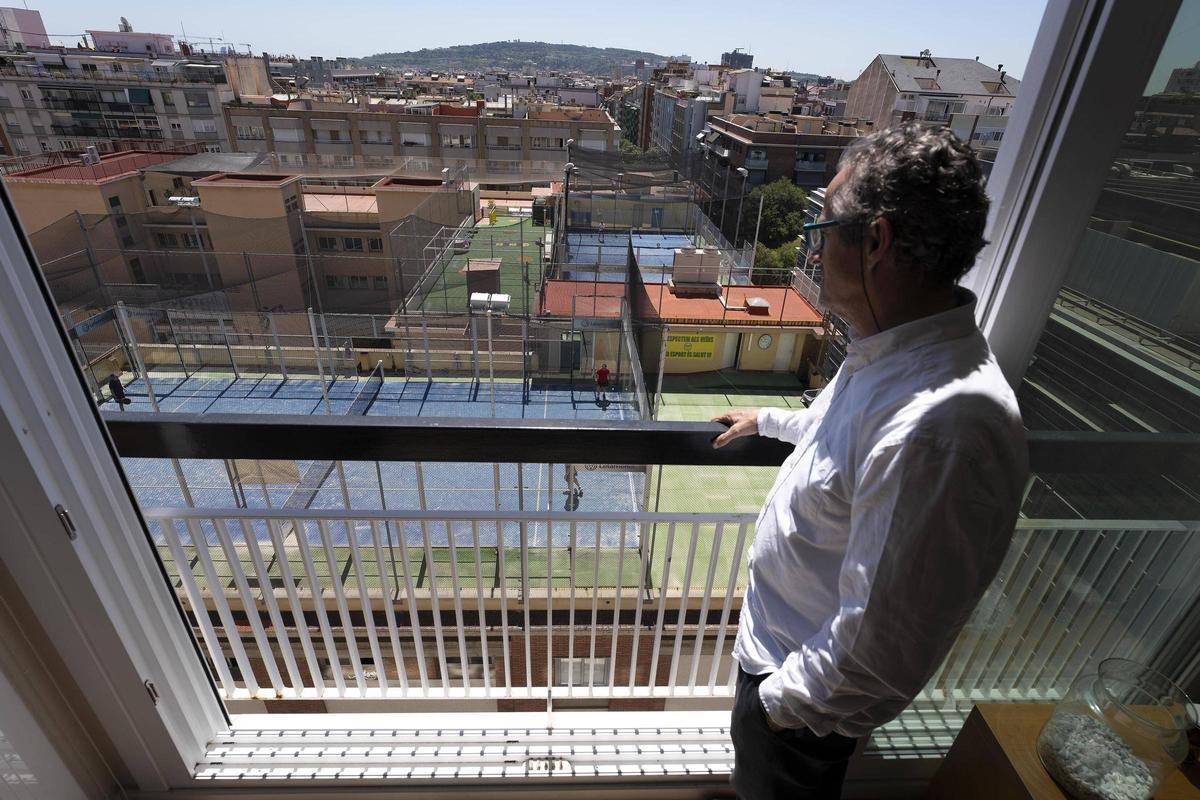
(487, 605)
(393, 602)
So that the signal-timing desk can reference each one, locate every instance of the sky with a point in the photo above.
(838, 39)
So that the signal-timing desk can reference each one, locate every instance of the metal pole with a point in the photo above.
(175, 339)
(101, 287)
(123, 316)
(475, 348)
(741, 201)
(724, 199)
(200, 247)
(491, 368)
(312, 272)
(329, 351)
(387, 526)
(757, 226)
(425, 334)
(253, 284)
(312, 326)
(229, 349)
(278, 348)
(662, 363)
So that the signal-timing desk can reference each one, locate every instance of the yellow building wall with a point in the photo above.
(694, 349)
(41, 204)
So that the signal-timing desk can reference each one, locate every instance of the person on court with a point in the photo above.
(895, 509)
(117, 391)
(602, 376)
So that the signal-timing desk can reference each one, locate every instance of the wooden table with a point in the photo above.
(995, 758)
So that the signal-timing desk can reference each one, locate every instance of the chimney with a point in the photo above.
(1000, 68)
(1002, 76)
(976, 58)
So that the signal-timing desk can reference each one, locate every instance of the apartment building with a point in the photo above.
(803, 149)
(737, 59)
(258, 239)
(66, 99)
(343, 134)
(898, 88)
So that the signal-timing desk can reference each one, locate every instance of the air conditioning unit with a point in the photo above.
(90, 157)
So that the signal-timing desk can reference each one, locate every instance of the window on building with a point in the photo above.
(287, 134)
(291, 203)
(189, 241)
(167, 241)
(581, 671)
(357, 282)
(547, 142)
(376, 244)
(251, 132)
(25, 95)
(168, 99)
(118, 67)
(204, 126)
(135, 268)
(457, 140)
(176, 126)
(381, 283)
(352, 244)
(88, 67)
(327, 243)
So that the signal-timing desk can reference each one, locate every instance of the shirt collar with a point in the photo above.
(953, 324)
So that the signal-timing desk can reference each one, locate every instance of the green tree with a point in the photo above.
(773, 265)
(782, 213)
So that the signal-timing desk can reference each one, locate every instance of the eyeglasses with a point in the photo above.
(816, 233)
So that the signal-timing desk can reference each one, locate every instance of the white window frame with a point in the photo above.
(1090, 62)
(101, 596)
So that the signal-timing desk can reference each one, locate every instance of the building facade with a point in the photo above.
(804, 150)
(69, 100)
(737, 59)
(897, 88)
(342, 134)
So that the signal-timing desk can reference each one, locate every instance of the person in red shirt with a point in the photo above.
(602, 384)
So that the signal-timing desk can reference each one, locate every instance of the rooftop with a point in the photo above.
(111, 167)
(344, 203)
(786, 307)
(950, 75)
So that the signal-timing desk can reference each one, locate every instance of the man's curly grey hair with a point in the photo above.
(929, 185)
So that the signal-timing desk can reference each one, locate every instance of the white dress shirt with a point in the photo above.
(884, 526)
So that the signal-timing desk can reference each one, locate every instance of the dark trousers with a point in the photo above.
(791, 764)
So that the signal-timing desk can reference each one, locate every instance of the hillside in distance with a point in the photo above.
(513, 56)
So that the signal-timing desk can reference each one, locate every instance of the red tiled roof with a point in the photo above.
(787, 307)
(570, 298)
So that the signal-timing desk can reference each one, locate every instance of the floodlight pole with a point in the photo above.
(745, 173)
(724, 199)
(757, 227)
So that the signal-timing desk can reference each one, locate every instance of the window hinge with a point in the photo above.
(68, 524)
(151, 690)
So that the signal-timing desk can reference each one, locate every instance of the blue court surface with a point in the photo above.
(413, 397)
(481, 487)
(592, 257)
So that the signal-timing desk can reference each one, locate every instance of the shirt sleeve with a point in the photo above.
(929, 529)
(782, 424)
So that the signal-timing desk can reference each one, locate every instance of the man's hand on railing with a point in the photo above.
(741, 422)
